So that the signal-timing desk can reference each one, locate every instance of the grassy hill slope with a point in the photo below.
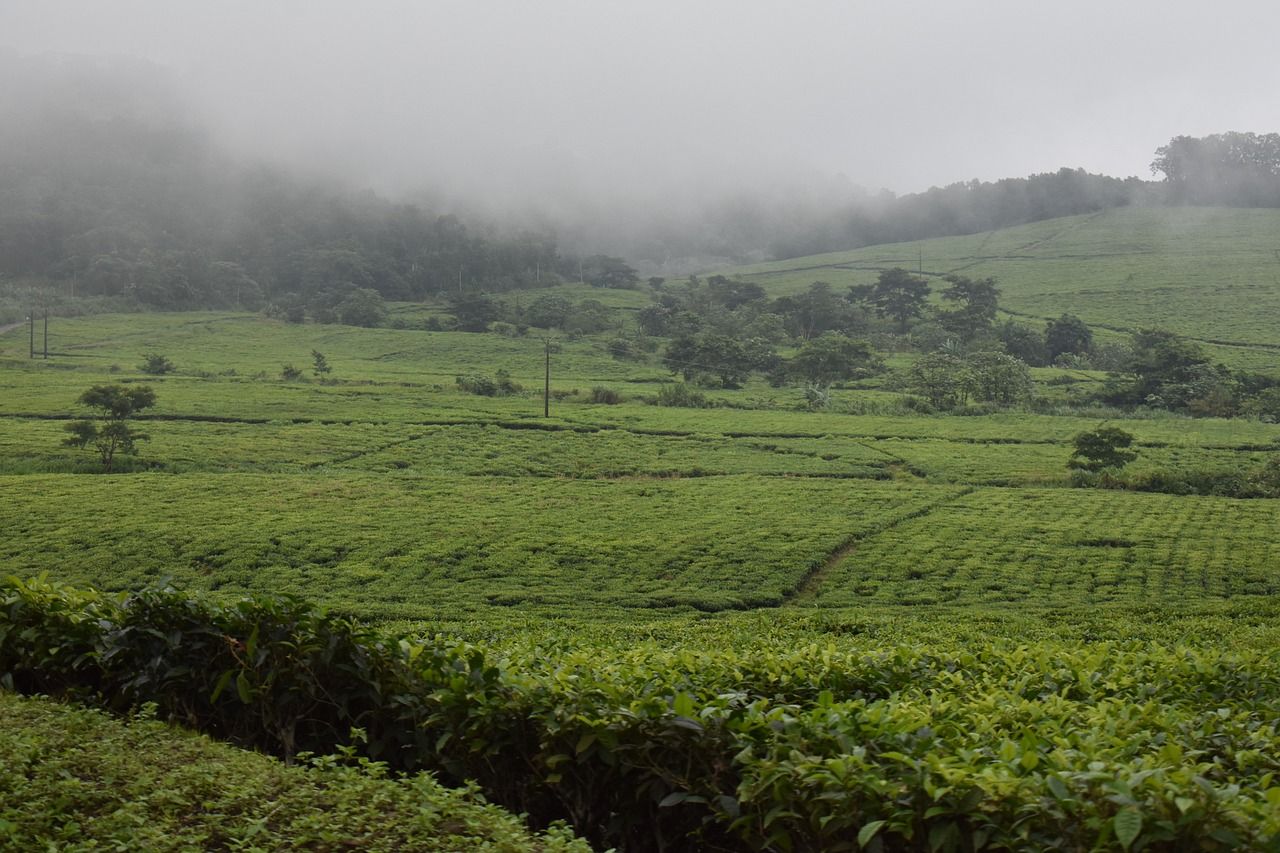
(1211, 274)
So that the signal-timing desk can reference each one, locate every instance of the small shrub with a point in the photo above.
(498, 386)
(289, 373)
(816, 397)
(680, 395)
(155, 364)
(319, 364)
(607, 396)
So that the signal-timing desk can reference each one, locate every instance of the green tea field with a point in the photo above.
(742, 625)
(391, 493)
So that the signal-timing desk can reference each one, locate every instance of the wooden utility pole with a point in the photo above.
(546, 385)
(46, 333)
(31, 322)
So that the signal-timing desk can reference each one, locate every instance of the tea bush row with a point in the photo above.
(1029, 747)
(74, 779)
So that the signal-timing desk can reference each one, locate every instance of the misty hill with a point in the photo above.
(1211, 274)
(112, 189)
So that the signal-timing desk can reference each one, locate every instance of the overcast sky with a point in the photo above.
(487, 96)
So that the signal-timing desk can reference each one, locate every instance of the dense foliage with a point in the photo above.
(1049, 746)
(1240, 169)
(147, 786)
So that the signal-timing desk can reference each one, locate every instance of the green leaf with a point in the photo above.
(243, 688)
(223, 681)
(682, 704)
(868, 832)
(1128, 825)
(1058, 788)
(675, 798)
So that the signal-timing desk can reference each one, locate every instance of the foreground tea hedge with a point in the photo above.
(1037, 746)
(76, 779)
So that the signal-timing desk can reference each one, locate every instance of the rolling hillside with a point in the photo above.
(1211, 274)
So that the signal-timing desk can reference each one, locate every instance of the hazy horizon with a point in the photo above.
(512, 102)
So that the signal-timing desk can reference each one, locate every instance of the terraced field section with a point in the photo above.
(1205, 273)
(390, 493)
(434, 547)
(1061, 549)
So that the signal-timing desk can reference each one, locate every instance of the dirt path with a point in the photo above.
(807, 590)
(4, 330)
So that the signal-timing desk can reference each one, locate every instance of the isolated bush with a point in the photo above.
(486, 386)
(608, 396)
(155, 364)
(288, 307)
(509, 330)
(817, 397)
(289, 373)
(319, 364)
(620, 348)
(679, 394)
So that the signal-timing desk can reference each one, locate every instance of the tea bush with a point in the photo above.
(1028, 746)
(147, 786)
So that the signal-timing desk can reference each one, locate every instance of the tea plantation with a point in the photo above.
(741, 626)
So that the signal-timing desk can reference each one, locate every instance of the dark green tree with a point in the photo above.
(1067, 334)
(588, 317)
(607, 271)
(548, 311)
(717, 359)
(733, 294)
(900, 295)
(473, 311)
(941, 378)
(1101, 448)
(1170, 372)
(363, 307)
(975, 302)
(1023, 342)
(832, 357)
(996, 377)
(111, 433)
(815, 311)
